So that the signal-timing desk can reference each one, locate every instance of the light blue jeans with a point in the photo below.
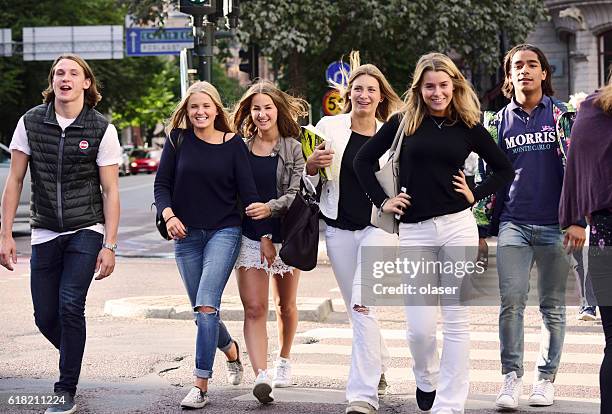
(205, 260)
(519, 246)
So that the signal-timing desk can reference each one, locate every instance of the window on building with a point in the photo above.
(605, 56)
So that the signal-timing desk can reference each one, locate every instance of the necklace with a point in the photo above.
(439, 125)
(271, 154)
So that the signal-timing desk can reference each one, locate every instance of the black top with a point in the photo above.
(203, 187)
(264, 174)
(354, 206)
(429, 158)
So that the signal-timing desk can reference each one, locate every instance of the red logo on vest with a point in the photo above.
(83, 145)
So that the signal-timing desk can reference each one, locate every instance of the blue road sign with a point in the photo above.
(147, 42)
(334, 73)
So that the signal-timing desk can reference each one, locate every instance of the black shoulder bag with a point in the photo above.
(160, 223)
(300, 231)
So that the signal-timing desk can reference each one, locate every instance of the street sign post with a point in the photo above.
(337, 72)
(147, 42)
(89, 42)
(6, 42)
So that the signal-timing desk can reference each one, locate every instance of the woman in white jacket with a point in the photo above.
(346, 209)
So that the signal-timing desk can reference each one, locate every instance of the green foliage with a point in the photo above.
(299, 37)
(130, 86)
(159, 95)
(302, 38)
(229, 89)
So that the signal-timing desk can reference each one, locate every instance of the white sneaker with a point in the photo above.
(360, 407)
(262, 390)
(235, 369)
(542, 394)
(282, 373)
(510, 392)
(195, 399)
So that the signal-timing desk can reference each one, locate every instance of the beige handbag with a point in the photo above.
(388, 178)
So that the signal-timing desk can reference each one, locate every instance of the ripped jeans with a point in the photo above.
(369, 354)
(205, 259)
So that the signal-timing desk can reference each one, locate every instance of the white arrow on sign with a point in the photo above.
(133, 36)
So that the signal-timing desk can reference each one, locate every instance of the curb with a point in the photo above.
(177, 307)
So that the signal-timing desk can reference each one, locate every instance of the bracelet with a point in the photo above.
(168, 219)
(381, 206)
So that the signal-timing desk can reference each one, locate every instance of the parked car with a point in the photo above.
(23, 208)
(143, 160)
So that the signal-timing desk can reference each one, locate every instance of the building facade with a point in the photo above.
(578, 42)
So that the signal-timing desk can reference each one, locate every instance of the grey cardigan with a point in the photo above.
(288, 173)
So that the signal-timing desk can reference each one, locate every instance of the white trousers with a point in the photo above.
(449, 376)
(369, 352)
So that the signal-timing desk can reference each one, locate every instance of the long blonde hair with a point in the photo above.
(289, 110)
(179, 118)
(391, 101)
(464, 105)
(604, 99)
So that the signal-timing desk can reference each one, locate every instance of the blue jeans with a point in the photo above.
(518, 247)
(61, 271)
(587, 296)
(205, 259)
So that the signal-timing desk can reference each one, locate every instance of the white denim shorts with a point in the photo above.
(250, 257)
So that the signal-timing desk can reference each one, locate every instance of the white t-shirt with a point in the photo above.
(109, 153)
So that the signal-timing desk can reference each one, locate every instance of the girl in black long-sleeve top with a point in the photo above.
(202, 173)
(441, 129)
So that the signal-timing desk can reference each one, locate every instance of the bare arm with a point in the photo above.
(10, 201)
(109, 179)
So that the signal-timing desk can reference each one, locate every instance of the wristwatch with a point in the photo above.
(267, 236)
(110, 246)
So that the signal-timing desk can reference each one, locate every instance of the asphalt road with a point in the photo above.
(138, 236)
(145, 365)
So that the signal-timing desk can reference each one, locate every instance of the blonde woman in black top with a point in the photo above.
(442, 127)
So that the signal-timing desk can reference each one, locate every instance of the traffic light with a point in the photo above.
(197, 7)
(250, 61)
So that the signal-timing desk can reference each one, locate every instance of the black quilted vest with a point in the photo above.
(66, 191)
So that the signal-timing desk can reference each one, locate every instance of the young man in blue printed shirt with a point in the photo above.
(533, 130)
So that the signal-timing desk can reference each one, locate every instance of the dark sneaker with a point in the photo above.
(587, 313)
(65, 404)
(382, 386)
(424, 399)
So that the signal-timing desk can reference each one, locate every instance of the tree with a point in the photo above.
(391, 34)
(154, 105)
(302, 38)
(22, 82)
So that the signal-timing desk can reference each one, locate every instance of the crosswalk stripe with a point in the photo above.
(478, 354)
(406, 374)
(400, 334)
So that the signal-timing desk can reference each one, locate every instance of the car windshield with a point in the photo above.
(139, 154)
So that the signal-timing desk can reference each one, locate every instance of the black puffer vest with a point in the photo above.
(66, 191)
